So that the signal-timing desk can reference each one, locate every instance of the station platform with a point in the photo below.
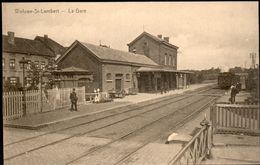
(36, 121)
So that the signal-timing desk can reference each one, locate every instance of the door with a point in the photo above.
(118, 84)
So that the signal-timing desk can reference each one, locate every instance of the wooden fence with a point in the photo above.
(197, 149)
(235, 118)
(37, 102)
(59, 98)
(12, 105)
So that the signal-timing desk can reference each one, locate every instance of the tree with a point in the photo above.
(236, 70)
(8, 87)
(36, 72)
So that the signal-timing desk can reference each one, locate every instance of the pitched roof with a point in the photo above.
(118, 55)
(53, 45)
(23, 45)
(109, 54)
(72, 69)
(157, 39)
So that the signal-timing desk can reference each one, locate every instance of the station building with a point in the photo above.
(162, 52)
(150, 65)
(110, 69)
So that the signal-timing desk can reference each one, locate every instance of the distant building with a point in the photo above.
(14, 49)
(55, 47)
(112, 69)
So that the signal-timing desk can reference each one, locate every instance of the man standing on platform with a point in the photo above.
(73, 99)
(233, 93)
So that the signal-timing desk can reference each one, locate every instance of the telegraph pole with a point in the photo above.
(253, 56)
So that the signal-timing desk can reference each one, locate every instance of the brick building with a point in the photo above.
(159, 50)
(112, 69)
(166, 76)
(14, 49)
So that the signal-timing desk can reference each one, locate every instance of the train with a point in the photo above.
(226, 79)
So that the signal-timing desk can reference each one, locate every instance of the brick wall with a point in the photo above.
(113, 69)
(18, 71)
(151, 50)
(155, 51)
(81, 58)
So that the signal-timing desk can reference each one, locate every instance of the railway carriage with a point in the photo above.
(225, 79)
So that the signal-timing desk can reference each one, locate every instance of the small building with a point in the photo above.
(14, 50)
(112, 69)
(73, 77)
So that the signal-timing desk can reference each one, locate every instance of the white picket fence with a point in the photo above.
(36, 102)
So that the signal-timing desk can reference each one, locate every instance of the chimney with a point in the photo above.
(45, 37)
(10, 37)
(159, 36)
(166, 39)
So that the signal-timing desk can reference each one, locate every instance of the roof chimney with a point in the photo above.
(10, 37)
(166, 39)
(45, 37)
(159, 36)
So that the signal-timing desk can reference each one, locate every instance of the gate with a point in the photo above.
(235, 118)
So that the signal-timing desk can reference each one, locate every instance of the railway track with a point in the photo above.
(121, 111)
(163, 103)
(179, 123)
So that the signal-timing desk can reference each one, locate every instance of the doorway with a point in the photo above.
(118, 84)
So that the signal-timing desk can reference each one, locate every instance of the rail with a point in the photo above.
(235, 118)
(197, 149)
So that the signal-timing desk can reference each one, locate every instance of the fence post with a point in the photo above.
(213, 118)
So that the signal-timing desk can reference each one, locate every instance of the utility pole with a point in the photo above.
(23, 62)
(253, 56)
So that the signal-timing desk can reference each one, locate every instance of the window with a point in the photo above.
(173, 61)
(12, 63)
(13, 80)
(170, 59)
(165, 59)
(3, 63)
(134, 50)
(28, 81)
(29, 65)
(21, 65)
(36, 64)
(69, 76)
(109, 77)
(43, 65)
(127, 77)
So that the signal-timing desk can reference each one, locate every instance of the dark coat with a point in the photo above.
(73, 97)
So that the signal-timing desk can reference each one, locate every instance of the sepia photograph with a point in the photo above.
(130, 83)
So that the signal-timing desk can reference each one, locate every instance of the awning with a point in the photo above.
(150, 69)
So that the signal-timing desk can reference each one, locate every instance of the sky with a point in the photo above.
(208, 34)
